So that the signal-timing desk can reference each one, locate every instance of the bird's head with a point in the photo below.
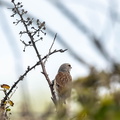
(66, 67)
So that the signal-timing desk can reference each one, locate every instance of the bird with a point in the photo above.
(62, 83)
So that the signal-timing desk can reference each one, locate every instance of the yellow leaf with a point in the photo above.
(5, 86)
(8, 109)
(11, 102)
(5, 103)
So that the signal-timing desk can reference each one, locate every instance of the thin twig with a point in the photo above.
(26, 44)
(50, 48)
(26, 72)
(53, 43)
(44, 71)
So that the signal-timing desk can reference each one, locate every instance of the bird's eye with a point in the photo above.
(69, 65)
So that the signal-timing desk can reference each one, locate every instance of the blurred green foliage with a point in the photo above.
(90, 104)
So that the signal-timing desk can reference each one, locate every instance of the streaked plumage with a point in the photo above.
(63, 83)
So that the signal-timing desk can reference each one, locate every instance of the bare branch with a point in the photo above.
(50, 48)
(26, 72)
(53, 43)
(32, 42)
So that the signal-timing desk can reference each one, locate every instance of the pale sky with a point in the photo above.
(93, 14)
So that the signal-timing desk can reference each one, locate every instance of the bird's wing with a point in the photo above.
(63, 84)
(63, 78)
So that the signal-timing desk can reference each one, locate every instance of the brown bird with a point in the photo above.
(63, 83)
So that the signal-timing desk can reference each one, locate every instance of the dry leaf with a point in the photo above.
(5, 86)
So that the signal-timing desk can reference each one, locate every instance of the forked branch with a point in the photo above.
(32, 34)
